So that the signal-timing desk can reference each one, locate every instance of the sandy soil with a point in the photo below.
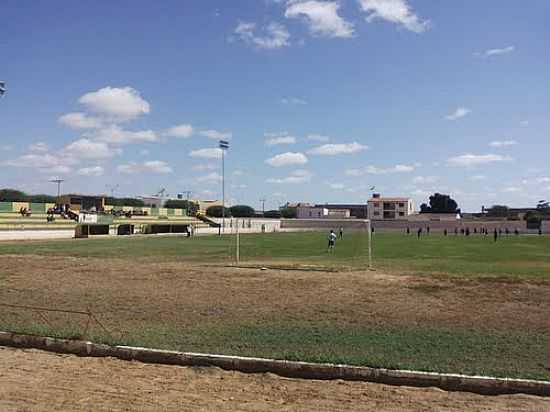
(123, 293)
(33, 380)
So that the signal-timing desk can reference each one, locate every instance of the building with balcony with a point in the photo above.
(390, 208)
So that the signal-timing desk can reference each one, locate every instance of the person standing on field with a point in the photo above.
(331, 241)
(341, 235)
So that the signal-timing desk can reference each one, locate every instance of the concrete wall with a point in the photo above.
(323, 224)
(546, 227)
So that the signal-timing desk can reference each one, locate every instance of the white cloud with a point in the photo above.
(238, 172)
(503, 143)
(213, 177)
(150, 166)
(338, 149)
(279, 139)
(467, 160)
(88, 149)
(512, 189)
(216, 135)
(38, 147)
(206, 166)
(80, 120)
(374, 170)
(336, 186)
(317, 138)
(458, 114)
(524, 123)
(116, 135)
(321, 17)
(295, 177)
(503, 50)
(425, 179)
(543, 180)
(478, 177)
(394, 11)
(182, 131)
(287, 159)
(275, 35)
(118, 104)
(45, 162)
(94, 171)
(210, 153)
(293, 101)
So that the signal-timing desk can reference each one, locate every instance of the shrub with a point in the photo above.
(242, 211)
(216, 211)
(272, 214)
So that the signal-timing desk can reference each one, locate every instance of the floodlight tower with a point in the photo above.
(58, 182)
(223, 145)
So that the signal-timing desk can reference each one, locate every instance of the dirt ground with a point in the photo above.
(42, 381)
(125, 293)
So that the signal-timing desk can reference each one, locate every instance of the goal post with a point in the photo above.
(302, 242)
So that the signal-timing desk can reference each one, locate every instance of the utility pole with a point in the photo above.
(112, 188)
(262, 201)
(223, 145)
(58, 181)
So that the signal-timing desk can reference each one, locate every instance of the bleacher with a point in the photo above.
(142, 220)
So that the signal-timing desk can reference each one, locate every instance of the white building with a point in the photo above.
(311, 212)
(390, 208)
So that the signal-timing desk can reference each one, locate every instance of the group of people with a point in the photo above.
(467, 232)
(25, 212)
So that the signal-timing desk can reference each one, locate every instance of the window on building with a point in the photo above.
(377, 205)
(401, 204)
(401, 213)
(376, 213)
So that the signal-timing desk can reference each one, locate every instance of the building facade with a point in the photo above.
(390, 208)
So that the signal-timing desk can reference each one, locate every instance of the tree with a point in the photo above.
(498, 211)
(124, 201)
(191, 207)
(272, 214)
(216, 211)
(440, 203)
(42, 199)
(242, 211)
(12, 195)
(289, 212)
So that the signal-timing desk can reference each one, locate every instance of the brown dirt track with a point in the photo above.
(41, 381)
(125, 293)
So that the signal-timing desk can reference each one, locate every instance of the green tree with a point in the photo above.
(289, 212)
(440, 203)
(216, 211)
(42, 199)
(242, 211)
(12, 195)
(498, 211)
(272, 214)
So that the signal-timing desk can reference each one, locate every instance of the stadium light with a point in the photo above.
(58, 182)
(223, 145)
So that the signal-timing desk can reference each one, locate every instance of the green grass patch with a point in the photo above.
(475, 255)
(431, 350)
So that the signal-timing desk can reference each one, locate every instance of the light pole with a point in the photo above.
(58, 181)
(223, 145)
(262, 201)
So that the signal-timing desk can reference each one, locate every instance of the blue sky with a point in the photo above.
(320, 99)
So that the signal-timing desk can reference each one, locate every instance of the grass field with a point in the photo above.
(474, 255)
(450, 304)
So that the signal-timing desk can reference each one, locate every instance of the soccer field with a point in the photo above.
(452, 304)
(475, 255)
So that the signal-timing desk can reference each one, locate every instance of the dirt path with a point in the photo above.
(42, 381)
